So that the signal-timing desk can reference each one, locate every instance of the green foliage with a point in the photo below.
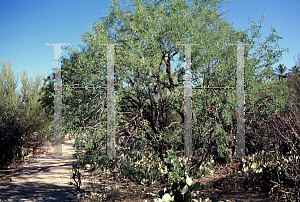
(274, 173)
(180, 168)
(180, 192)
(23, 119)
(149, 93)
(205, 168)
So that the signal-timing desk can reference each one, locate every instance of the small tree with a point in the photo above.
(21, 114)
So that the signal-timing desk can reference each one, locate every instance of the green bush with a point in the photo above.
(180, 192)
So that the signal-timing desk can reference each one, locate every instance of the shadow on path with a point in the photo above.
(32, 191)
(45, 178)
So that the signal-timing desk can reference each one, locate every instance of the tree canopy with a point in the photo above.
(149, 109)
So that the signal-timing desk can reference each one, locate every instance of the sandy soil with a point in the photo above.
(42, 178)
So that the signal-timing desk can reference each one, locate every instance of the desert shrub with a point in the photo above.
(274, 173)
(180, 191)
(134, 162)
(10, 140)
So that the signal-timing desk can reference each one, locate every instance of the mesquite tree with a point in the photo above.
(149, 93)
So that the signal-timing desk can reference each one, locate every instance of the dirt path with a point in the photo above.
(43, 178)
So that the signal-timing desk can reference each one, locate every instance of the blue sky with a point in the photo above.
(27, 25)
